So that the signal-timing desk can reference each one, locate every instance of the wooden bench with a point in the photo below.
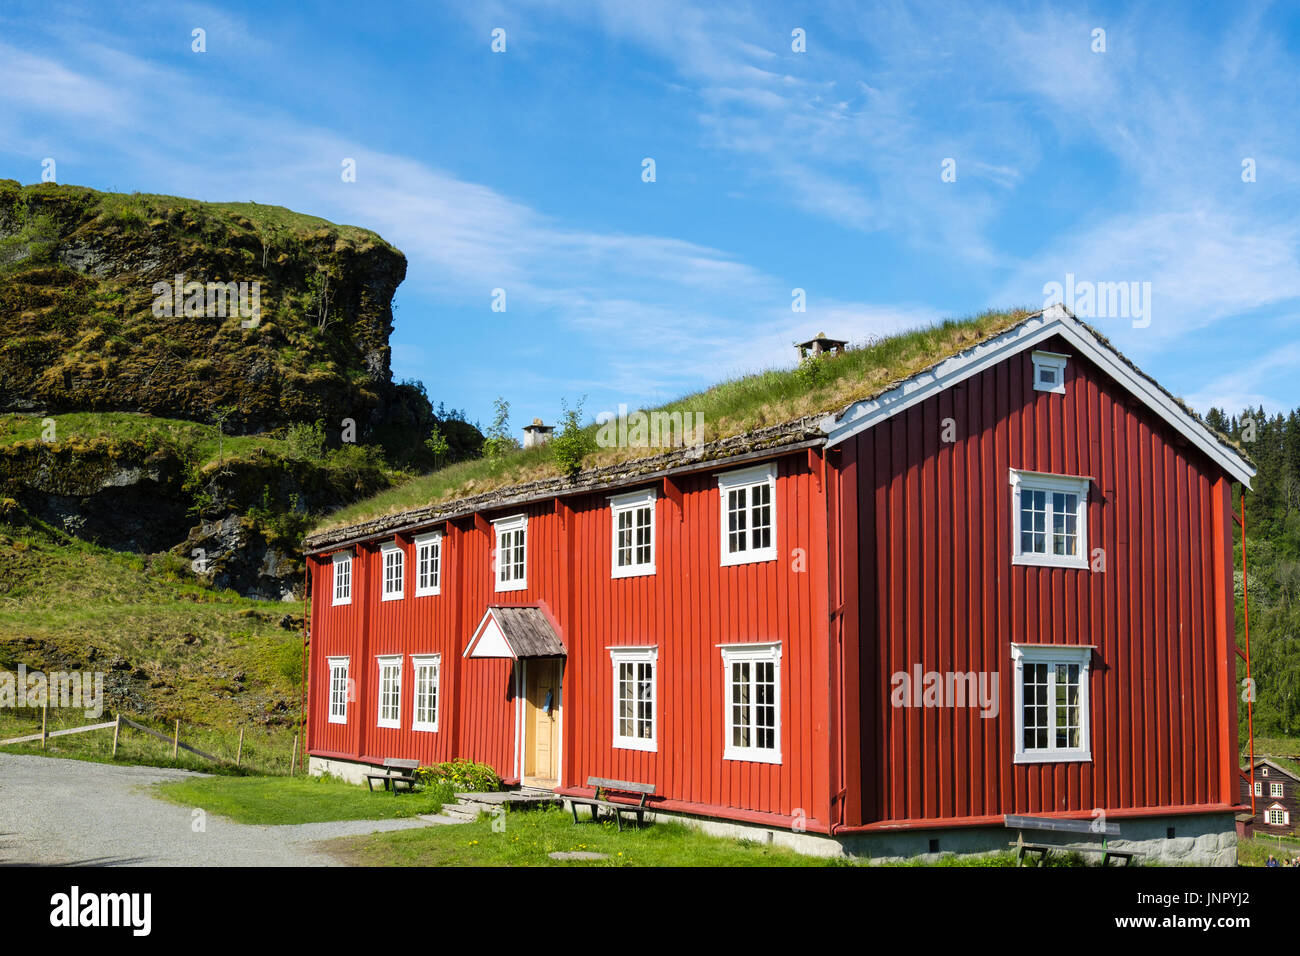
(395, 771)
(1092, 828)
(617, 809)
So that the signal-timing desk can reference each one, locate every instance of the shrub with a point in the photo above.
(499, 441)
(304, 442)
(462, 775)
(573, 443)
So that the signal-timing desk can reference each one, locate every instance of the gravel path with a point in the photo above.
(76, 813)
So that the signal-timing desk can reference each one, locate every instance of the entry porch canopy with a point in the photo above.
(514, 632)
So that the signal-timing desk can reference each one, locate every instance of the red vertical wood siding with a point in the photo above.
(688, 607)
(936, 586)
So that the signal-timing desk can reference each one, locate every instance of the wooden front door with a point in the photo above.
(542, 676)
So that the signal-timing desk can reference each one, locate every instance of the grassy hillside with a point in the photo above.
(170, 648)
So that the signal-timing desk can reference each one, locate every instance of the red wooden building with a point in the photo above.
(1001, 586)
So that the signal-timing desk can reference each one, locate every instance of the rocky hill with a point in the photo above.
(200, 378)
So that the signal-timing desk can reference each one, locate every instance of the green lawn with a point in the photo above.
(532, 834)
(1255, 851)
(282, 800)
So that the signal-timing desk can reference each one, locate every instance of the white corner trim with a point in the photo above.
(1037, 328)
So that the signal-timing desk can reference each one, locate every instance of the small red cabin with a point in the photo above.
(1002, 586)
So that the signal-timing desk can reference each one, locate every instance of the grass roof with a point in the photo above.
(743, 405)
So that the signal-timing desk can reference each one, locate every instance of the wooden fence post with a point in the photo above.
(176, 739)
(117, 730)
(240, 752)
(293, 761)
(45, 714)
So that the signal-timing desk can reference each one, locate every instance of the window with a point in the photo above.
(394, 568)
(748, 515)
(752, 684)
(511, 553)
(1049, 372)
(426, 691)
(390, 691)
(1049, 516)
(1051, 703)
(1259, 788)
(428, 564)
(340, 690)
(342, 579)
(633, 518)
(1278, 817)
(1275, 789)
(634, 697)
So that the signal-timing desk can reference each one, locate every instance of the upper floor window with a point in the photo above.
(390, 691)
(342, 578)
(1259, 788)
(1049, 372)
(512, 553)
(633, 517)
(635, 697)
(426, 670)
(752, 688)
(1051, 703)
(339, 690)
(428, 563)
(1049, 517)
(1275, 789)
(394, 570)
(748, 509)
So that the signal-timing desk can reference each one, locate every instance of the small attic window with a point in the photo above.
(1049, 372)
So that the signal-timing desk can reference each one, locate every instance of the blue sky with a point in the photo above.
(774, 170)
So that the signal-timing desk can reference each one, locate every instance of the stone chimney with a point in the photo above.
(537, 433)
(820, 345)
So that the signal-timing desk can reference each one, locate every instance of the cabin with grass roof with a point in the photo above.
(975, 570)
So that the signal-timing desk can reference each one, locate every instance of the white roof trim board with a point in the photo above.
(1055, 320)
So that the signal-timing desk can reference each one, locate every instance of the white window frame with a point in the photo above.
(1054, 361)
(419, 661)
(431, 543)
(752, 653)
(335, 665)
(746, 479)
(1283, 816)
(1022, 654)
(1275, 790)
(385, 551)
(637, 655)
(515, 523)
(1067, 484)
(389, 660)
(1259, 788)
(632, 503)
(342, 560)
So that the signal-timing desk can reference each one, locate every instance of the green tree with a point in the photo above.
(499, 441)
(573, 443)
